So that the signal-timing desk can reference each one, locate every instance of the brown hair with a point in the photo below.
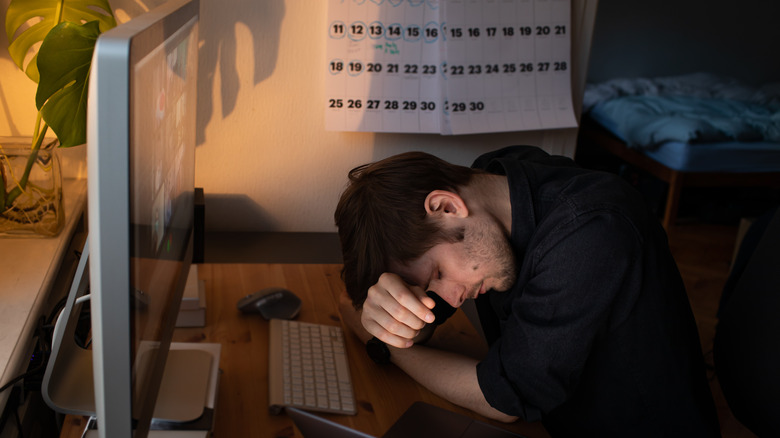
(381, 215)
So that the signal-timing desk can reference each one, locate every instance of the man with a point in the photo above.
(587, 319)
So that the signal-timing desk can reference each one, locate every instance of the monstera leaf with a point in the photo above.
(64, 60)
(45, 15)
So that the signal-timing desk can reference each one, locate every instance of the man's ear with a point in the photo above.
(442, 203)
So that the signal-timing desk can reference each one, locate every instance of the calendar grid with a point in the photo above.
(448, 66)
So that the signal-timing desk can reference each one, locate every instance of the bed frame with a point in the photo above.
(593, 135)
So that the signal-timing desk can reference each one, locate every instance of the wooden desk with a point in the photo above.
(383, 393)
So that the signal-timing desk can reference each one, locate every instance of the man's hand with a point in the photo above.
(351, 317)
(395, 312)
(392, 306)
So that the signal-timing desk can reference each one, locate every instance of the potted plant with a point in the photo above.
(52, 42)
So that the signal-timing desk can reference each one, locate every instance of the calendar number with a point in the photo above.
(431, 33)
(542, 30)
(336, 67)
(376, 30)
(337, 30)
(355, 68)
(394, 31)
(462, 107)
(390, 105)
(427, 106)
(413, 33)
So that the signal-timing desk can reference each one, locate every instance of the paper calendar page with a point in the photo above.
(448, 66)
(382, 62)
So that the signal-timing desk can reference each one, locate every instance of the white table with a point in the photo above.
(28, 268)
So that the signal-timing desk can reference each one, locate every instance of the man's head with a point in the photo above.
(382, 219)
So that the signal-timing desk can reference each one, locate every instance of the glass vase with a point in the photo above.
(31, 183)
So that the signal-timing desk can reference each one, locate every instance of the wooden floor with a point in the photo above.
(704, 253)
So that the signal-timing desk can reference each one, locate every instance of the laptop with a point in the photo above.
(420, 420)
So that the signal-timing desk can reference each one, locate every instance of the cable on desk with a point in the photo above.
(43, 347)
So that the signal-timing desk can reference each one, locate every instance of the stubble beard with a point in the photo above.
(487, 245)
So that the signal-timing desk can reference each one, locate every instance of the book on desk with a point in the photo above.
(192, 311)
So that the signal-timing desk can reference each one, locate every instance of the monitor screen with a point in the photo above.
(141, 159)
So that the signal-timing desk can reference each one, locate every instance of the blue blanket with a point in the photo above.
(692, 108)
(647, 121)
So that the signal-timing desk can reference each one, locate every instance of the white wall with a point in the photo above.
(264, 158)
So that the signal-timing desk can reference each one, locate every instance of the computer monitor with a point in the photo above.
(140, 161)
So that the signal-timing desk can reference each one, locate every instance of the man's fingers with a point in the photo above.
(395, 312)
(422, 295)
(386, 336)
(392, 317)
(417, 302)
(402, 308)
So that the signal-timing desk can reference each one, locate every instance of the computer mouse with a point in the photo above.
(271, 302)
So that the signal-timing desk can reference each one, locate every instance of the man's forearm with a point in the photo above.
(449, 375)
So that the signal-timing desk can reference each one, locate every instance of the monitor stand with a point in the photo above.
(191, 374)
(188, 391)
(177, 414)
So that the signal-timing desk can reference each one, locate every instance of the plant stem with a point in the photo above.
(36, 146)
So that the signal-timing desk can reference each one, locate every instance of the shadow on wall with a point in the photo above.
(251, 217)
(219, 50)
(218, 46)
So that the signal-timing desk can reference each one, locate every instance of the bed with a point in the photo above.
(700, 130)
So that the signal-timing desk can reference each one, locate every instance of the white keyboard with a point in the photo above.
(308, 369)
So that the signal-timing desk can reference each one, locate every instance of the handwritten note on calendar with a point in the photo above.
(448, 66)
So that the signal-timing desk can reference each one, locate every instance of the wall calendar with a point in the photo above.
(448, 66)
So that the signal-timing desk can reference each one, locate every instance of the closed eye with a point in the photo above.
(436, 275)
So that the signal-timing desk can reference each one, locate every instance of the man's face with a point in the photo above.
(457, 271)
